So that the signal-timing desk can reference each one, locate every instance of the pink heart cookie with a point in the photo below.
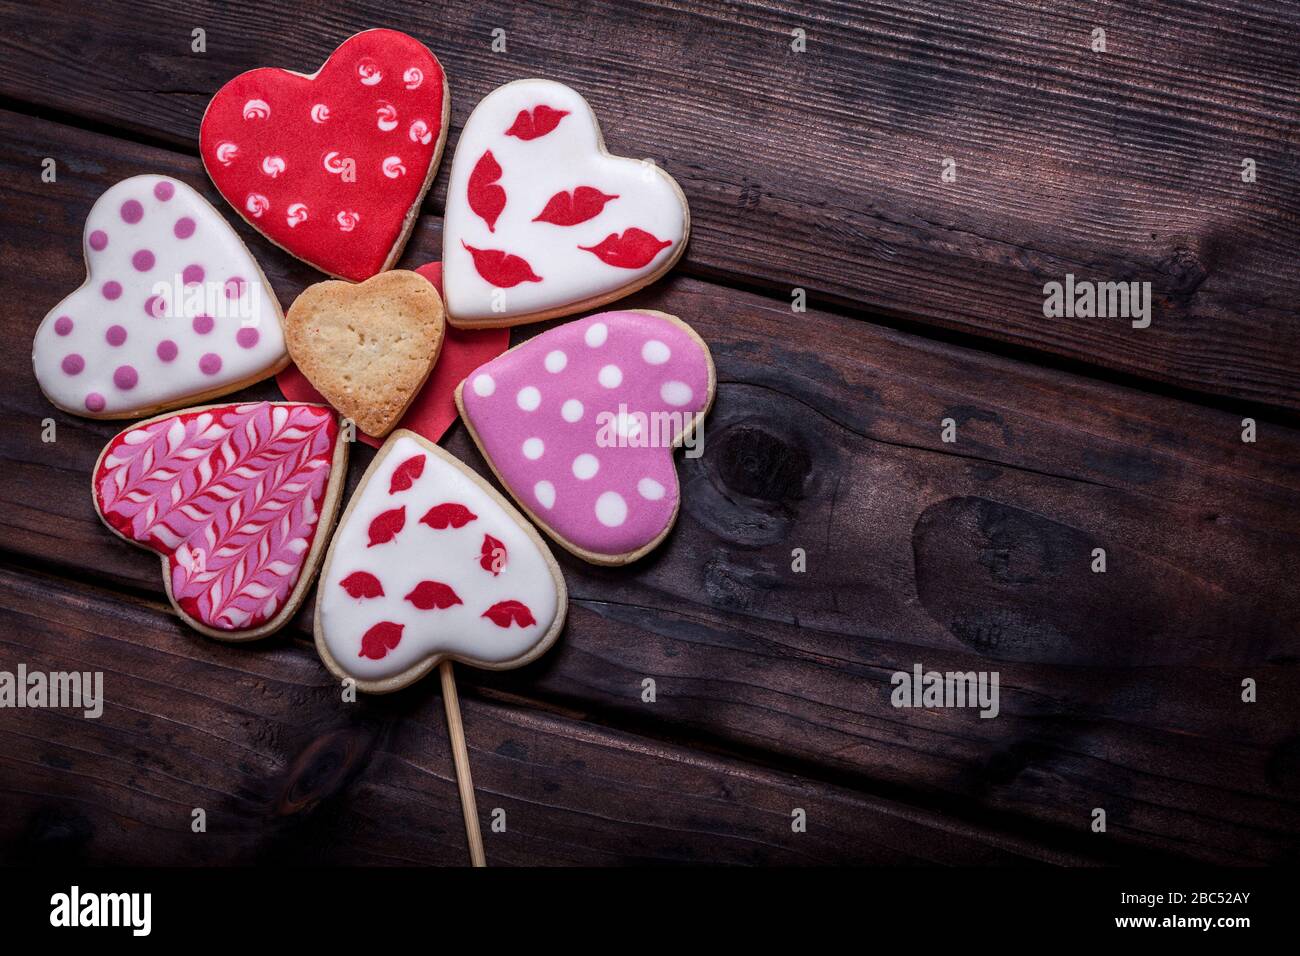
(239, 501)
(580, 423)
(430, 563)
(541, 221)
(174, 309)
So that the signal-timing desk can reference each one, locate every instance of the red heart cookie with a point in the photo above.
(239, 501)
(332, 167)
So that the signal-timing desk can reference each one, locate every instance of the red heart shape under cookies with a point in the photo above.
(434, 409)
(332, 167)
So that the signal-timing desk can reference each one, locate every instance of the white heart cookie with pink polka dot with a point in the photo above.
(580, 423)
(174, 309)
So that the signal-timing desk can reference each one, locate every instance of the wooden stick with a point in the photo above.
(460, 754)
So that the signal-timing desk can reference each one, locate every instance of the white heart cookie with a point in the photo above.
(174, 308)
(431, 562)
(541, 221)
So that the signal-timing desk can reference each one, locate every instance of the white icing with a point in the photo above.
(676, 393)
(571, 410)
(529, 398)
(450, 556)
(532, 172)
(544, 491)
(214, 247)
(611, 509)
(655, 352)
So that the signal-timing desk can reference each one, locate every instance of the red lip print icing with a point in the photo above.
(536, 123)
(380, 639)
(569, 209)
(361, 584)
(634, 249)
(492, 556)
(387, 525)
(505, 613)
(328, 166)
(486, 198)
(501, 268)
(448, 515)
(428, 595)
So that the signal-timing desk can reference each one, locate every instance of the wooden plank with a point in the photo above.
(821, 170)
(1120, 690)
(286, 772)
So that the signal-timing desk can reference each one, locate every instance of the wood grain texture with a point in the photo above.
(287, 773)
(821, 170)
(1119, 690)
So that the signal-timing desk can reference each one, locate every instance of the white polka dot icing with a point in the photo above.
(429, 561)
(606, 483)
(541, 219)
(173, 307)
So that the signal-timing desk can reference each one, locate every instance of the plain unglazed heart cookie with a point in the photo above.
(174, 309)
(332, 167)
(541, 221)
(367, 348)
(580, 423)
(430, 562)
(237, 499)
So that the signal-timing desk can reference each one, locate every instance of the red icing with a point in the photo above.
(428, 595)
(633, 249)
(404, 475)
(279, 158)
(505, 613)
(386, 526)
(501, 269)
(434, 409)
(493, 555)
(362, 584)
(486, 198)
(380, 639)
(539, 122)
(569, 209)
(447, 515)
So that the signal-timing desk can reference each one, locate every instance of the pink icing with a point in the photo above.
(520, 405)
(231, 496)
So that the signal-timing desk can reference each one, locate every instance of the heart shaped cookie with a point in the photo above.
(174, 309)
(579, 424)
(237, 499)
(541, 221)
(431, 563)
(332, 167)
(367, 348)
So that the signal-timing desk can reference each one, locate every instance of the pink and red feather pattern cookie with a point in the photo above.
(580, 422)
(331, 167)
(231, 496)
(429, 561)
(541, 220)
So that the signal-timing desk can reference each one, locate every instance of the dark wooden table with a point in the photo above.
(818, 170)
